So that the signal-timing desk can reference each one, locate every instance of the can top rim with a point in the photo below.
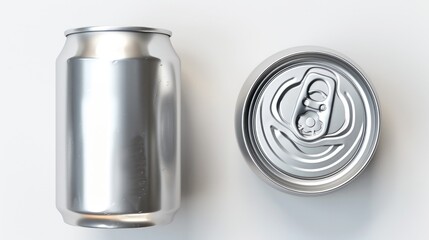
(117, 28)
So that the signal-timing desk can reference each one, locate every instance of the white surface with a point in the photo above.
(220, 43)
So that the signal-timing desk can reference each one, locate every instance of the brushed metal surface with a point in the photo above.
(118, 128)
(307, 120)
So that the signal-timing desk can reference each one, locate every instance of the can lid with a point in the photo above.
(115, 28)
(308, 120)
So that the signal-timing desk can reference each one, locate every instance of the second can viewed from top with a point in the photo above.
(307, 120)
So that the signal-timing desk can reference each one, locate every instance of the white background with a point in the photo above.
(220, 43)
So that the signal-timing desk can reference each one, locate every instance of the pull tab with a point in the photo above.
(314, 105)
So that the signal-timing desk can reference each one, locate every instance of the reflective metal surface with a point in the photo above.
(118, 128)
(307, 120)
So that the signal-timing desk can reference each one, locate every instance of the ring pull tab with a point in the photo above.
(314, 106)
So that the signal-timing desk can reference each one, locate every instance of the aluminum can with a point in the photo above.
(118, 127)
(307, 120)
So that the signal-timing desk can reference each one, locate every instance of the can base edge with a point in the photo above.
(137, 220)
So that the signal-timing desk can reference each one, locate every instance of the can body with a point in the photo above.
(118, 128)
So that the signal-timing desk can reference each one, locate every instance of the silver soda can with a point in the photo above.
(308, 120)
(118, 127)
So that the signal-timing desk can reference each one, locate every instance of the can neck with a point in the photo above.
(117, 44)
